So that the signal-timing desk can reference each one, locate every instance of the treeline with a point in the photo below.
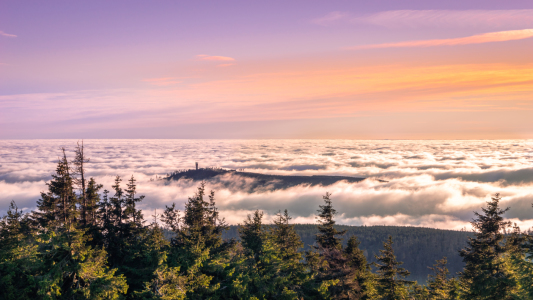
(416, 247)
(84, 243)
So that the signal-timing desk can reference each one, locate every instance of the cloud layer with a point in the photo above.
(428, 183)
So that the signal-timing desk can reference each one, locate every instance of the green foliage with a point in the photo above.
(81, 244)
(391, 283)
(485, 276)
(438, 282)
(327, 236)
(198, 248)
(57, 207)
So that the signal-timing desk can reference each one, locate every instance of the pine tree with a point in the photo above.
(391, 283)
(484, 275)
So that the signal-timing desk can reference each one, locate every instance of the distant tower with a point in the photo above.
(196, 166)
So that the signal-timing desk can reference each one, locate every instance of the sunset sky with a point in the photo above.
(266, 69)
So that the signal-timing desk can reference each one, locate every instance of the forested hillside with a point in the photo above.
(258, 182)
(418, 248)
(85, 243)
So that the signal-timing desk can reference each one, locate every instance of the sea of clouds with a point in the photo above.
(409, 183)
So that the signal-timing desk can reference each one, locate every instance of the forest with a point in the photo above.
(83, 242)
(417, 247)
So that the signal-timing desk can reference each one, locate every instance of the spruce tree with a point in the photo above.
(18, 256)
(258, 272)
(334, 274)
(92, 198)
(438, 283)
(327, 236)
(79, 170)
(484, 275)
(252, 234)
(133, 216)
(70, 269)
(289, 244)
(361, 275)
(198, 248)
(57, 208)
(518, 263)
(391, 282)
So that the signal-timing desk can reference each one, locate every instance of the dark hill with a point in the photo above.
(260, 182)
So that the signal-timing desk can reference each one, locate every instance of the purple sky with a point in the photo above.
(269, 69)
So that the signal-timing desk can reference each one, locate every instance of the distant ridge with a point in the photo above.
(261, 181)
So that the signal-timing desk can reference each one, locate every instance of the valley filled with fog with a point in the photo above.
(409, 183)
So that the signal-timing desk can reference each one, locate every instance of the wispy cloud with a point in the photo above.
(500, 36)
(434, 18)
(214, 58)
(165, 81)
(7, 34)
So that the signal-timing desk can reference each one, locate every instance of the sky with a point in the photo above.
(341, 69)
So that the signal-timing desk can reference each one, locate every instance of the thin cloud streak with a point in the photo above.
(7, 34)
(500, 36)
(214, 58)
